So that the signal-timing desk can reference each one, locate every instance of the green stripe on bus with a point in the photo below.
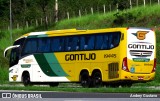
(54, 64)
(44, 65)
(44, 35)
(34, 36)
(37, 36)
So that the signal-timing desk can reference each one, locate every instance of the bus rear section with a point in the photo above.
(140, 62)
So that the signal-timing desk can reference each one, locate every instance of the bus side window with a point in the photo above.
(61, 44)
(76, 43)
(91, 42)
(99, 42)
(117, 39)
(55, 44)
(83, 46)
(43, 45)
(34, 46)
(110, 41)
(87, 42)
(68, 42)
(30, 46)
(105, 42)
(114, 41)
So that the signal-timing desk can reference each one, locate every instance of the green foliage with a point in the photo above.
(138, 89)
(4, 75)
(32, 10)
(124, 17)
(122, 5)
(3, 4)
(87, 22)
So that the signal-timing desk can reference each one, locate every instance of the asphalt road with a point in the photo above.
(9, 95)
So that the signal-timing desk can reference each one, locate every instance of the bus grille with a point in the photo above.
(113, 70)
(140, 53)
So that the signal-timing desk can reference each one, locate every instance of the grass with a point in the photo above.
(144, 17)
(4, 75)
(79, 89)
(85, 22)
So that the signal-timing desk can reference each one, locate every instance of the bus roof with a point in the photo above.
(74, 31)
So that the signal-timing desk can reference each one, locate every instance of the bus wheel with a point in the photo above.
(85, 79)
(53, 84)
(97, 79)
(26, 79)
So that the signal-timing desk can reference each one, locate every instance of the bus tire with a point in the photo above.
(26, 79)
(85, 79)
(97, 79)
(53, 84)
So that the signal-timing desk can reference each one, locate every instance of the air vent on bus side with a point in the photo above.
(113, 70)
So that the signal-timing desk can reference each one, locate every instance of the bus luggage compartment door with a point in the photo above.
(113, 70)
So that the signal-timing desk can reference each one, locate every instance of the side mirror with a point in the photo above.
(8, 48)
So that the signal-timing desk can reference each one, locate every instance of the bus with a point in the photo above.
(111, 56)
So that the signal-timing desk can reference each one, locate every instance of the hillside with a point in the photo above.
(148, 16)
(137, 17)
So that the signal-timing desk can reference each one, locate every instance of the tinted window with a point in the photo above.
(101, 41)
(30, 46)
(114, 40)
(76, 43)
(91, 42)
(68, 43)
(19, 42)
(14, 57)
(83, 43)
(43, 45)
(57, 44)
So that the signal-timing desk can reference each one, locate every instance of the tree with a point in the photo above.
(43, 4)
(3, 7)
(122, 4)
(4, 13)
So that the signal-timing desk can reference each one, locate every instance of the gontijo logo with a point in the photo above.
(141, 35)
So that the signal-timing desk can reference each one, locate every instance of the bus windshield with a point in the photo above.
(14, 57)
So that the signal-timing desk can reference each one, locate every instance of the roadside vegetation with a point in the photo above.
(136, 17)
(80, 89)
(148, 16)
